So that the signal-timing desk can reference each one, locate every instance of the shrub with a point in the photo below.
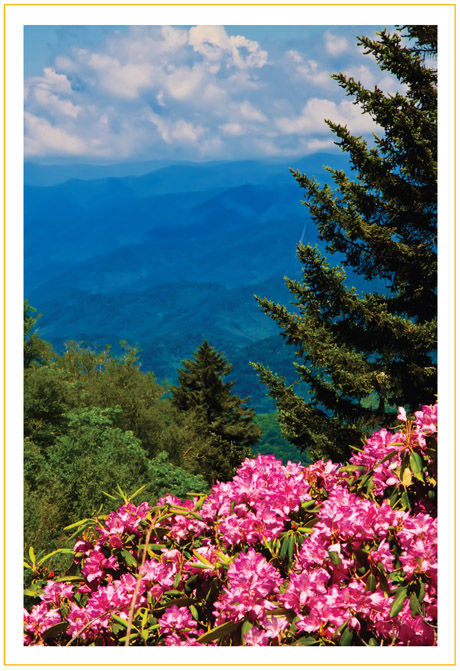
(327, 554)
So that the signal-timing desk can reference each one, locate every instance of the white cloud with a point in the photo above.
(56, 105)
(149, 90)
(177, 132)
(215, 45)
(42, 139)
(249, 112)
(232, 129)
(335, 44)
(308, 69)
(311, 119)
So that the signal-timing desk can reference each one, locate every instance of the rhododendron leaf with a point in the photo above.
(414, 604)
(383, 579)
(372, 641)
(128, 557)
(65, 578)
(33, 592)
(398, 602)
(334, 558)
(186, 511)
(339, 630)
(177, 581)
(421, 592)
(405, 500)
(173, 592)
(64, 551)
(32, 555)
(55, 630)
(346, 637)
(132, 637)
(202, 559)
(406, 477)
(311, 503)
(115, 498)
(138, 491)
(306, 640)
(194, 612)
(284, 547)
(27, 565)
(119, 620)
(76, 524)
(416, 465)
(219, 632)
(290, 549)
(371, 583)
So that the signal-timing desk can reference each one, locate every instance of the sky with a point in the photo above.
(126, 93)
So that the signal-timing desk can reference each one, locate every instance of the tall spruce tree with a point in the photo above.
(361, 352)
(223, 416)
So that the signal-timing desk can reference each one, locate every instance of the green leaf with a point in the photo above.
(203, 559)
(219, 632)
(372, 641)
(334, 558)
(138, 491)
(128, 557)
(405, 500)
(32, 555)
(76, 524)
(115, 498)
(121, 621)
(306, 640)
(311, 503)
(64, 551)
(421, 592)
(414, 604)
(290, 549)
(398, 601)
(416, 466)
(371, 583)
(284, 546)
(194, 612)
(346, 637)
(64, 578)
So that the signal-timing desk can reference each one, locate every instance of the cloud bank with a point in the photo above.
(200, 93)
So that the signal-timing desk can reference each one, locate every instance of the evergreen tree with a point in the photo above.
(222, 415)
(360, 353)
(36, 350)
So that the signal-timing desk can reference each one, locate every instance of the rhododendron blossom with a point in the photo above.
(281, 555)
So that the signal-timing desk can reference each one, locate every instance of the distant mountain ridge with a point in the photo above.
(167, 258)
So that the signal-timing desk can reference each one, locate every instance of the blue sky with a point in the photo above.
(122, 93)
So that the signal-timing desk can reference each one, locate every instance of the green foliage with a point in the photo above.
(272, 441)
(221, 415)
(353, 347)
(93, 420)
(36, 350)
(165, 478)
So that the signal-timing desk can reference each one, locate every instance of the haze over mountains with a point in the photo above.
(164, 256)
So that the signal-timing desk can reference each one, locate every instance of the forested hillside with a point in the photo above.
(167, 259)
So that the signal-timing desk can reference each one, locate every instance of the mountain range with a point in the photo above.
(163, 256)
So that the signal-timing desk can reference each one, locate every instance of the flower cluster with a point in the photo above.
(281, 555)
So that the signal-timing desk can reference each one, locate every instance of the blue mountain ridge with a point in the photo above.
(168, 258)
